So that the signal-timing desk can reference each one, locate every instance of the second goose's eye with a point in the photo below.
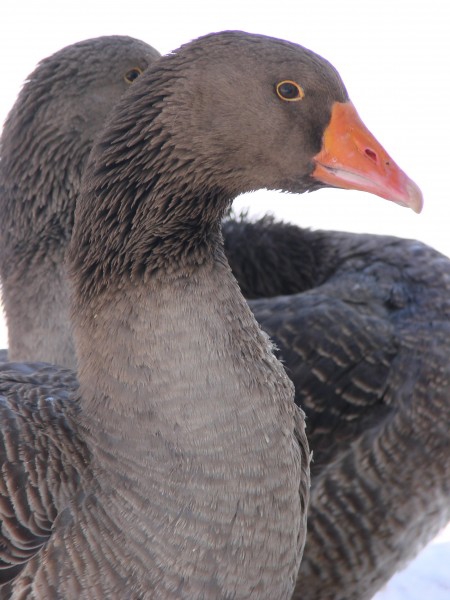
(132, 74)
(290, 91)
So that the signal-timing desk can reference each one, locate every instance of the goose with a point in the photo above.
(45, 143)
(415, 199)
(177, 465)
(364, 333)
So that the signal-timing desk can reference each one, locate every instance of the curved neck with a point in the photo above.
(196, 325)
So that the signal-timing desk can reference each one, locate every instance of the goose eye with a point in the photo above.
(290, 91)
(132, 74)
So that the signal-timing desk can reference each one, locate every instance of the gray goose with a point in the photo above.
(364, 335)
(178, 466)
(45, 143)
(280, 269)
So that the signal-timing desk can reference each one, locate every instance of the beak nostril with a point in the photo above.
(371, 154)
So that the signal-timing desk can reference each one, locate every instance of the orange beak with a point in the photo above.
(351, 158)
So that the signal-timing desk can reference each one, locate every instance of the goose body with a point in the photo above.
(371, 373)
(45, 143)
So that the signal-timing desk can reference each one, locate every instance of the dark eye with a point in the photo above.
(132, 74)
(290, 91)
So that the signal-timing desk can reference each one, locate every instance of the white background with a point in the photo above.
(393, 55)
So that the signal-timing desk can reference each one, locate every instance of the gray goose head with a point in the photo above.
(45, 142)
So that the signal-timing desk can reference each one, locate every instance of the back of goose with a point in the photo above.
(362, 323)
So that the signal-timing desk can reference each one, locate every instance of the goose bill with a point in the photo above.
(351, 158)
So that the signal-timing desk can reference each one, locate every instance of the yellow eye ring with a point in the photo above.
(132, 74)
(290, 91)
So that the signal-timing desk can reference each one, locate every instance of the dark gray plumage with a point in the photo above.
(365, 336)
(45, 143)
(179, 466)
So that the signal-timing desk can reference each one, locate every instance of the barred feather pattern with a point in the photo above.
(43, 461)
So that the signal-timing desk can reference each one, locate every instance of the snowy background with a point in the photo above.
(394, 57)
